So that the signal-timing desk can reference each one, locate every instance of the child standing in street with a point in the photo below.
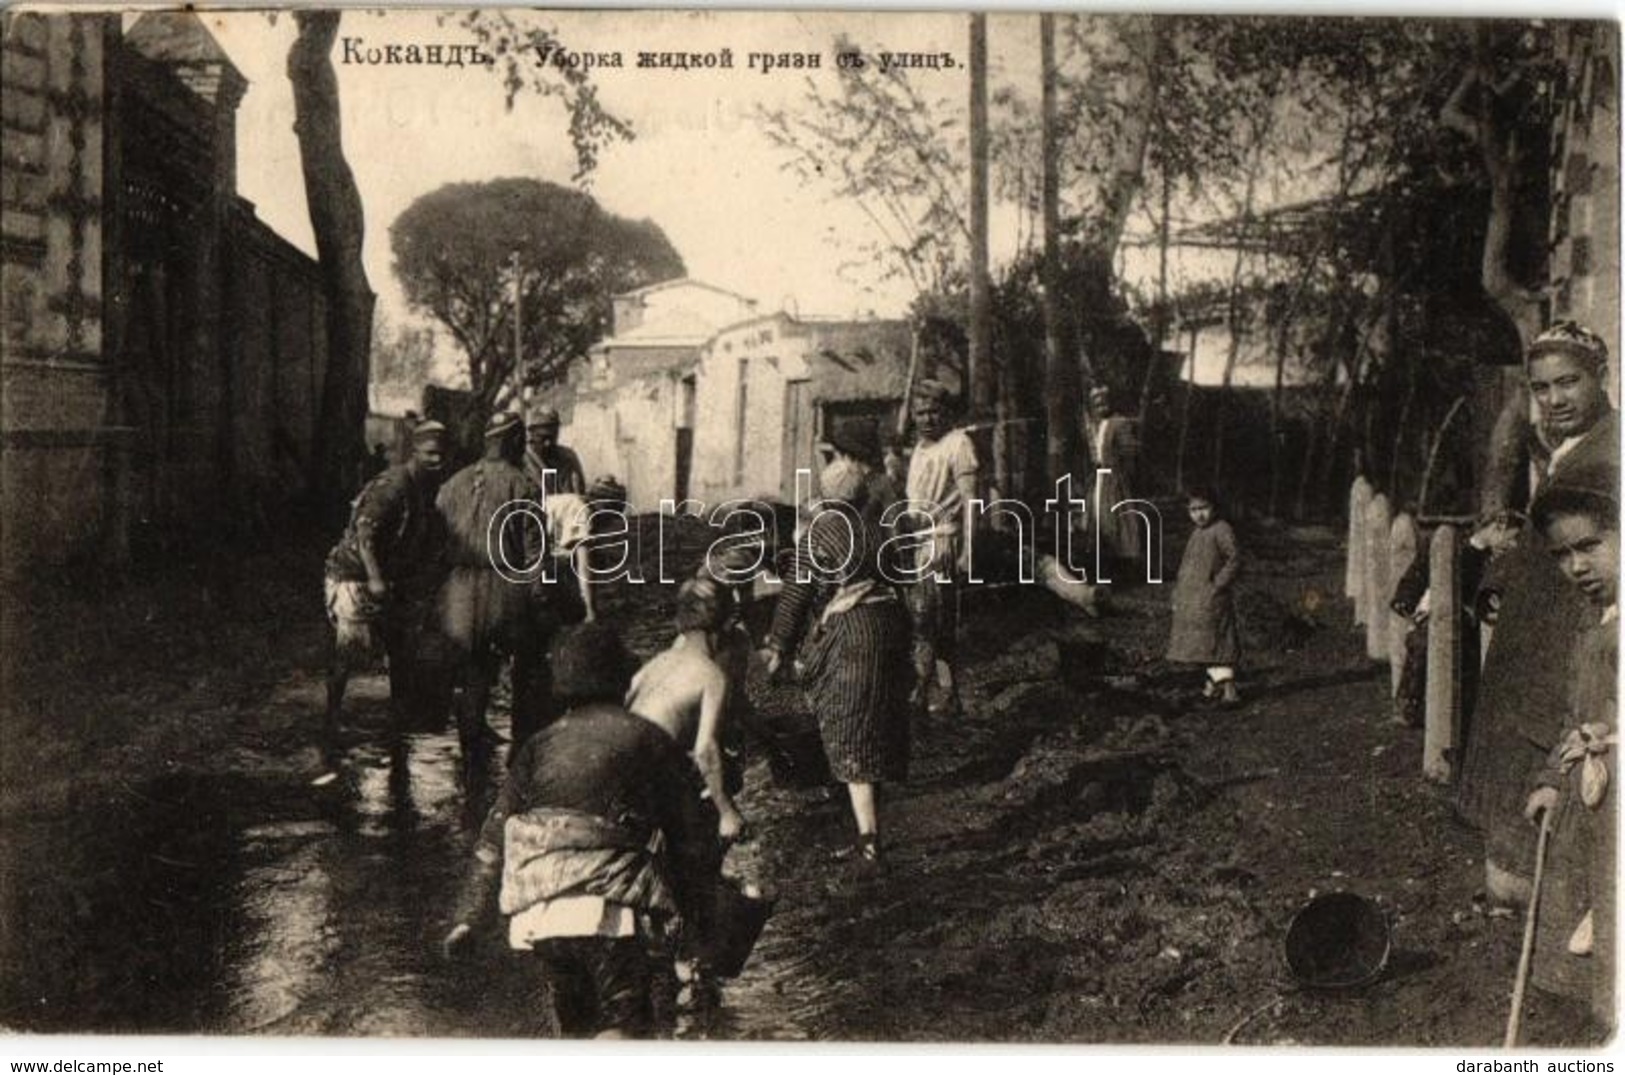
(1578, 518)
(1205, 631)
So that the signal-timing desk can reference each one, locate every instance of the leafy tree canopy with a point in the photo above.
(454, 255)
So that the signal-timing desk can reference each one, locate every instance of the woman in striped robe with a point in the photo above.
(844, 619)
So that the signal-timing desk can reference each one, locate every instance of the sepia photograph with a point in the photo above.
(1065, 527)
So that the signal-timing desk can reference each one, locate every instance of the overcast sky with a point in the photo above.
(699, 166)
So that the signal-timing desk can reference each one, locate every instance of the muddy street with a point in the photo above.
(1085, 856)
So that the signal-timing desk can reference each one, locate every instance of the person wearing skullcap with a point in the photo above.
(566, 848)
(940, 487)
(1523, 693)
(839, 618)
(486, 603)
(1114, 449)
(380, 578)
(553, 467)
(1567, 367)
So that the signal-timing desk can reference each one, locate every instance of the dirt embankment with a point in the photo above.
(1092, 856)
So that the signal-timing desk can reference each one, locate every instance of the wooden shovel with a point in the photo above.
(1516, 1015)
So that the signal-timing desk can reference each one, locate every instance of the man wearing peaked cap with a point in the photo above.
(485, 614)
(501, 425)
(382, 575)
(551, 466)
(428, 430)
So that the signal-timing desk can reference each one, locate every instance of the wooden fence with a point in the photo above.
(1381, 548)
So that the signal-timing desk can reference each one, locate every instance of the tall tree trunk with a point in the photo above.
(1233, 316)
(1123, 175)
(1336, 325)
(1472, 111)
(339, 223)
(982, 381)
(1185, 420)
(1061, 403)
(1159, 328)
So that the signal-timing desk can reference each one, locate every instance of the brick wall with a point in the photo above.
(53, 380)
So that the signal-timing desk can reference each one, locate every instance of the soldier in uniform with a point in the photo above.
(485, 612)
(551, 466)
(382, 575)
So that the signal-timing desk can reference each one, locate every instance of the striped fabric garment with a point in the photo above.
(855, 666)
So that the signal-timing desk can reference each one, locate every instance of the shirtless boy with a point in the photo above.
(685, 691)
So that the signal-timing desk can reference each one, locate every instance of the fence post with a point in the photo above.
(1444, 656)
(1401, 554)
(1354, 577)
(1377, 587)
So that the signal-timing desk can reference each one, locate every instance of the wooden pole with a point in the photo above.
(1377, 591)
(1354, 576)
(518, 336)
(1444, 656)
(909, 382)
(1401, 554)
(1515, 1016)
(980, 371)
(1061, 401)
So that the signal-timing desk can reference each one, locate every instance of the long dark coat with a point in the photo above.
(1579, 876)
(1523, 695)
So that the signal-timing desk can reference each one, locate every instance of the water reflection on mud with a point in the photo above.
(238, 905)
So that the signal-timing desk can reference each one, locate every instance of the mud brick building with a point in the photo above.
(163, 349)
(698, 394)
(771, 389)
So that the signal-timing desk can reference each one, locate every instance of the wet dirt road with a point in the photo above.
(236, 904)
(1084, 857)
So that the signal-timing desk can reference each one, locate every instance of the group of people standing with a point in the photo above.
(1538, 774)
(603, 848)
(605, 845)
(413, 578)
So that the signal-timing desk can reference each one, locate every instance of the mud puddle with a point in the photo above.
(237, 904)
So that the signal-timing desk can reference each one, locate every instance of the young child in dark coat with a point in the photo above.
(1205, 630)
(1574, 940)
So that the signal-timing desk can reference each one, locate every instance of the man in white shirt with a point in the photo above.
(941, 485)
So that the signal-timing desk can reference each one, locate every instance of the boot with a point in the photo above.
(1229, 697)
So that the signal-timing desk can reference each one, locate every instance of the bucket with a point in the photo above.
(739, 919)
(1338, 941)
